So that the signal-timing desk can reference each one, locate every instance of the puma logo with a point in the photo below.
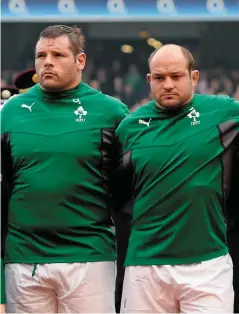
(28, 107)
(144, 122)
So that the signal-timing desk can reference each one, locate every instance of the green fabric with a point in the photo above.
(59, 210)
(181, 165)
(3, 295)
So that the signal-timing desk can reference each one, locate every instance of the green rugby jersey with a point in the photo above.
(181, 163)
(3, 294)
(58, 156)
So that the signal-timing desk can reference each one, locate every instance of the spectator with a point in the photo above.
(128, 96)
(118, 87)
(133, 77)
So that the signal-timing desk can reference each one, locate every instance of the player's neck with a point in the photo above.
(61, 90)
(54, 95)
(180, 105)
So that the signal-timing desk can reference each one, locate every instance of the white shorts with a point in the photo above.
(204, 287)
(61, 288)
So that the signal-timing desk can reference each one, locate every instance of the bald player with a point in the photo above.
(178, 152)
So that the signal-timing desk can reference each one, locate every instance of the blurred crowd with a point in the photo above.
(132, 88)
(130, 85)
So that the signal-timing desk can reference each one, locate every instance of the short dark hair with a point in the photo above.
(75, 35)
(186, 53)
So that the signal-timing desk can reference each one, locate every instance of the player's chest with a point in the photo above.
(192, 138)
(78, 134)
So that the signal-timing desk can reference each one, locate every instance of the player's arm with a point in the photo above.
(3, 295)
(122, 217)
(6, 187)
(233, 112)
(6, 183)
(233, 200)
(121, 111)
(3, 308)
(4, 214)
(4, 208)
(123, 178)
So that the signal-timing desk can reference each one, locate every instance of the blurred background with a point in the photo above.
(120, 35)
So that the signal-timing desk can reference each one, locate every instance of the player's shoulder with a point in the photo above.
(12, 103)
(9, 110)
(144, 111)
(112, 107)
(108, 104)
(214, 100)
(114, 103)
(104, 99)
(17, 100)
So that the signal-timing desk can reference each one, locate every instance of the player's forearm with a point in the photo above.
(3, 308)
(3, 294)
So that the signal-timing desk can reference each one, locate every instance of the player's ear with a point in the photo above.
(195, 77)
(148, 77)
(81, 61)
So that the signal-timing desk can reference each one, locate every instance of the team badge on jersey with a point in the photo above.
(81, 113)
(193, 114)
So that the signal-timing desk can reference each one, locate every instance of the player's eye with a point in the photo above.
(58, 54)
(39, 55)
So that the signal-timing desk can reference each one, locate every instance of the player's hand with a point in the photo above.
(3, 308)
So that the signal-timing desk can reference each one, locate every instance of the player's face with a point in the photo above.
(56, 65)
(171, 83)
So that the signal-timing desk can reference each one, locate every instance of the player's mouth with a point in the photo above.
(169, 95)
(49, 74)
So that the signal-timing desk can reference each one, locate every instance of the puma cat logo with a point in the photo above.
(144, 122)
(28, 107)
